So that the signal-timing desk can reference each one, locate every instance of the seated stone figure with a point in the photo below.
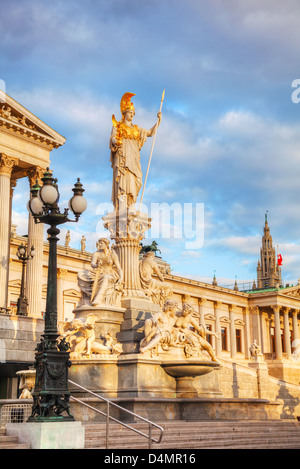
(195, 339)
(103, 284)
(156, 290)
(159, 326)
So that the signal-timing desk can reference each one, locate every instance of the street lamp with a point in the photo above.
(24, 256)
(51, 396)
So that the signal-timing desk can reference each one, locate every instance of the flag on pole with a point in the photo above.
(279, 259)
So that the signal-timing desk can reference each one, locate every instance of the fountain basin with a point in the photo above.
(189, 369)
(185, 373)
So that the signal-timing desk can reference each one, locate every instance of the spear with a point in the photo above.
(153, 141)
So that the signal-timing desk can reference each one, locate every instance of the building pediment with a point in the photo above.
(15, 118)
(72, 293)
(292, 292)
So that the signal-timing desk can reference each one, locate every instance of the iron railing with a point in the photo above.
(110, 417)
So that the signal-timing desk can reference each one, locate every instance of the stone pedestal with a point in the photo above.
(136, 312)
(142, 377)
(49, 435)
(262, 377)
(97, 375)
(128, 228)
(109, 318)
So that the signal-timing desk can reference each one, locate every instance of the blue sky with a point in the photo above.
(230, 133)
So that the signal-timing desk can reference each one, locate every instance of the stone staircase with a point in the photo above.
(271, 434)
(10, 442)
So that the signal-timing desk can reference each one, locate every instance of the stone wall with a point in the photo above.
(18, 337)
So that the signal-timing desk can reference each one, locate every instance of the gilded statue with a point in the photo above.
(103, 284)
(126, 142)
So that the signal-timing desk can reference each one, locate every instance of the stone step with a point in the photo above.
(197, 435)
(8, 439)
(10, 442)
(182, 430)
(14, 446)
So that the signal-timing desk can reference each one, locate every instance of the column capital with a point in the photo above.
(61, 273)
(7, 163)
(201, 301)
(276, 308)
(34, 175)
(286, 309)
(217, 304)
(254, 309)
(186, 298)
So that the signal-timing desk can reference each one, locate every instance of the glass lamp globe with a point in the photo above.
(21, 250)
(35, 206)
(48, 194)
(78, 204)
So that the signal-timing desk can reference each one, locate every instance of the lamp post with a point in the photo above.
(24, 256)
(51, 396)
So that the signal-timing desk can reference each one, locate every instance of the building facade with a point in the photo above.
(267, 315)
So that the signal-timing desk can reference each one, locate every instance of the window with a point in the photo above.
(209, 336)
(224, 338)
(238, 337)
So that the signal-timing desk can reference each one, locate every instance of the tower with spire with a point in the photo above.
(268, 270)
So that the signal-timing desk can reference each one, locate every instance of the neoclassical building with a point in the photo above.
(267, 314)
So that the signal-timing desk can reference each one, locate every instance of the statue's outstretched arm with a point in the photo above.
(150, 132)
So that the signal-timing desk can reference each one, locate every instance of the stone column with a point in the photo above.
(247, 332)
(286, 332)
(295, 328)
(61, 273)
(217, 304)
(34, 268)
(256, 326)
(201, 302)
(278, 346)
(232, 331)
(6, 166)
(13, 184)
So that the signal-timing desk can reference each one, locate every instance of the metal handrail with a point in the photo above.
(109, 417)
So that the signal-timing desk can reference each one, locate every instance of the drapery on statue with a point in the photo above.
(156, 290)
(104, 283)
(126, 142)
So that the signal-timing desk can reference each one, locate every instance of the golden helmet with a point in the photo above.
(126, 104)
